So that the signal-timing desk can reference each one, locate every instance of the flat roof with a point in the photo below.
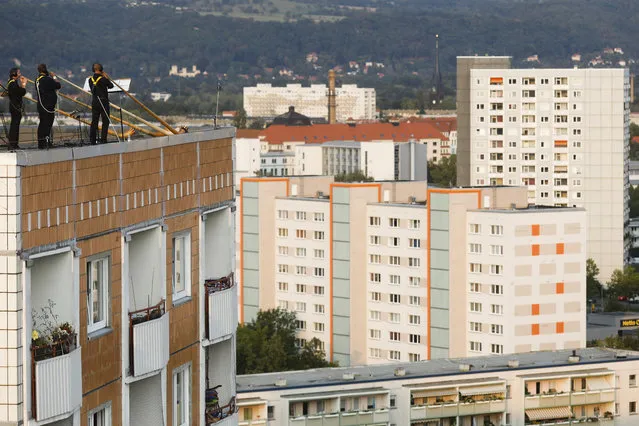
(428, 369)
(530, 209)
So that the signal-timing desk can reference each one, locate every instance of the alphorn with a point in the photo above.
(161, 131)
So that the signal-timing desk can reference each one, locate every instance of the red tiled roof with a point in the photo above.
(318, 133)
(248, 133)
(444, 124)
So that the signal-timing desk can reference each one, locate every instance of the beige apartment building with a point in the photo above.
(397, 271)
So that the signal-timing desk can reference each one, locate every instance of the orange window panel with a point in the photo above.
(535, 309)
(559, 288)
(560, 327)
(560, 248)
(535, 330)
(535, 249)
(561, 144)
(535, 230)
(496, 80)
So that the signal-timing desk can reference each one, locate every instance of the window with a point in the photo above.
(474, 248)
(318, 254)
(181, 266)
(282, 269)
(375, 334)
(394, 355)
(282, 286)
(475, 346)
(282, 214)
(318, 327)
(393, 241)
(318, 289)
(375, 353)
(632, 380)
(393, 260)
(414, 243)
(374, 221)
(496, 250)
(474, 326)
(474, 228)
(300, 270)
(414, 224)
(414, 262)
(497, 229)
(318, 272)
(282, 304)
(300, 233)
(376, 296)
(375, 258)
(497, 309)
(475, 307)
(300, 215)
(475, 287)
(98, 293)
(496, 329)
(496, 289)
(375, 315)
(282, 250)
(496, 349)
(394, 336)
(300, 343)
(475, 268)
(496, 269)
(300, 306)
(632, 407)
(376, 278)
(394, 298)
(414, 300)
(300, 325)
(318, 235)
(394, 317)
(414, 319)
(414, 338)
(270, 412)
(393, 222)
(318, 217)
(282, 232)
(101, 416)
(182, 395)
(394, 279)
(300, 252)
(414, 281)
(300, 288)
(375, 240)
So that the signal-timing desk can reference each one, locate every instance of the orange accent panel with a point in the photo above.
(559, 288)
(496, 80)
(561, 144)
(535, 230)
(560, 248)
(535, 330)
(535, 309)
(535, 249)
(559, 328)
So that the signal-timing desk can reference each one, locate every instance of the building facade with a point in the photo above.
(591, 386)
(521, 287)
(563, 133)
(353, 102)
(118, 300)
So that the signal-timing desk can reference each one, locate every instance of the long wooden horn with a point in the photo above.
(157, 117)
(143, 121)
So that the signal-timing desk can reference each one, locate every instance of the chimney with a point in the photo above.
(332, 105)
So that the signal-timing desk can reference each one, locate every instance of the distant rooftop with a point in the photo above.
(426, 369)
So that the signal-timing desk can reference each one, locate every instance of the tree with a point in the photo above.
(443, 173)
(267, 344)
(357, 176)
(239, 121)
(593, 286)
(624, 282)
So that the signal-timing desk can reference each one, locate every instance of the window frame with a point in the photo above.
(186, 383)
(104, 323)
(107, 415)
(186, 292)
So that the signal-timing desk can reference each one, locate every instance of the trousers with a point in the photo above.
(44, 128)
(100, 108)
(14, 127)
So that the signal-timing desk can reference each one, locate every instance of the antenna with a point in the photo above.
(437, 87)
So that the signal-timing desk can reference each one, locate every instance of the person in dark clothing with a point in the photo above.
(99, 84)
(15, 90)
(46, 86)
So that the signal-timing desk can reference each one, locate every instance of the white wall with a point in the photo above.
(219, 244)
(247, 158)
(52, 278)
(308, 160)
(377, 160)
(146, 283)
(221, 369)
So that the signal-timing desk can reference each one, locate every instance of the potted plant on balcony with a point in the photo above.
(50, 339)
(608, 415)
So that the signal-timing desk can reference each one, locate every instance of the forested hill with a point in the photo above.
(146, 40)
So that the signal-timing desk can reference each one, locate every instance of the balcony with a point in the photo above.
(454, 409)
(547, 401)
(148, 340)
(221, 307)
(364, 417)
(316, 420)
(433, 411)
(593, 397)
(56, 387)
(218, 414)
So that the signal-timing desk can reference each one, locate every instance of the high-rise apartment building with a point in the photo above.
(118, 303)
(396, 271)
(563, 133)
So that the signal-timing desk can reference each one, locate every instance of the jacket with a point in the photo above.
(100, 86)
(46, 91)
(15, 93)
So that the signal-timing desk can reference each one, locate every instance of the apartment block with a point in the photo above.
(563, 133)
(397, 271)
(118, 303)
(591, 386)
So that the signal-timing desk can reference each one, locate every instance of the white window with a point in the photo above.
(394, 317)
(414, 281)
(319, 309)
(475, 287)
(496, 349)
(318, 289)
(282, 214)
(375, 315)
(376, 296)
(300, 233)
(393, 260)
(414, 243)
(300, 325)
(414, 338)
(394, 298)
(394, 355)
(475, 268)
(497, 309)
(282, 286)
(318, 217)
(375, 352)
(374, 240)
(497, 229)
(300, 306)
(374, 221)
(318, 235)
(496, 329)
(318, 254)
(475, 307)
(393, 241)
(375, 258)
(474, 326)
(394, 336)
(375, 334)
(496, 250)
(300, 343)
(474, 228)
(318, 272)
(300, 252)
(496, 269)
(98, 294)
(282, 269)
(300, 270)
(414, 224)
(300, 215)
(101, 416)
(414, 262)
(394, 279)
(393, 222)
(375, 277)
(182, 395)
(414, 357)
(282, 304)
(475, 346)
(300, 288)
(414, 300)
(181, 266)
(496, 289)
(282, 232)
(414, 319)
(474, 248)
(318, 327)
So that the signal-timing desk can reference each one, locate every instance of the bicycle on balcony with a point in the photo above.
(215, 412)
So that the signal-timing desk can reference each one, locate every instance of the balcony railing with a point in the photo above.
(220, 309)
(357, 417)
(148, 339)
(56, 378)
(570, 398)
(454, 409)
(216, 413)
